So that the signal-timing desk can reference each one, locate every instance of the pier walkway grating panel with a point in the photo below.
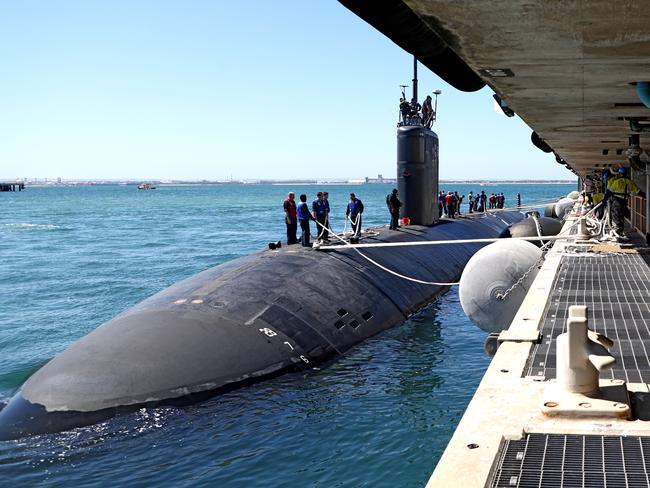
(616, 288)
(573, 461)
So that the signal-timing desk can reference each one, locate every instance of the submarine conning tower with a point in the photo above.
(417, 173)
(417, 157)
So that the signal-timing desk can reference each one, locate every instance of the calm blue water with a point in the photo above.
(72, 258)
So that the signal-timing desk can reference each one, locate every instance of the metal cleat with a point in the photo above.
(581, 355)
(583, 232)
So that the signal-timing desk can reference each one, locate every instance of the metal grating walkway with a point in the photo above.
(573, 461)
(616, 288)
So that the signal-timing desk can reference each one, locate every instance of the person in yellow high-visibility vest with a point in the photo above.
(596, 198)
(618, 190)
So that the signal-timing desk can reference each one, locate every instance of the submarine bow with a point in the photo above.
(239, 322)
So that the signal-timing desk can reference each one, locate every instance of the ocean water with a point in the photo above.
(73, 257)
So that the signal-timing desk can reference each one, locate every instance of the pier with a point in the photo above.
(12, 185)
(522, 428)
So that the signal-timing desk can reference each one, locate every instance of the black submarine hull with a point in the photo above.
(240, 322)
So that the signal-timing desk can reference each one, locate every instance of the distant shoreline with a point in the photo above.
(386, 181)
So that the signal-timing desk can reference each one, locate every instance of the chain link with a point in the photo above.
(544, 248)
(504, 295)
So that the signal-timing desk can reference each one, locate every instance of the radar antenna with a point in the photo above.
(435, 106)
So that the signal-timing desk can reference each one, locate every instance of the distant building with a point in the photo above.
(380, 179)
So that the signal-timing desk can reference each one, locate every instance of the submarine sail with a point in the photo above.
(417, 173)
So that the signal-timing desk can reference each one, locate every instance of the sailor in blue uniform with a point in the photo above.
(304, 216)
(319, 209)
(353, 212)
(394, 204)
(326, 197)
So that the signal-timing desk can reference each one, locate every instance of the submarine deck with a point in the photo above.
(504, 439)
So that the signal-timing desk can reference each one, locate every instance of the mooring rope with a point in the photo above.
(355, 247)
(347, 244)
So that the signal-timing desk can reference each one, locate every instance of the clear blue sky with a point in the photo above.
(210, 89)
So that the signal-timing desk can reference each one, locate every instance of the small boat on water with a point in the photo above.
(146, 186)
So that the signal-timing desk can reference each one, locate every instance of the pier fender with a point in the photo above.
(532, 227)
(549, 211)
(487, 276)
(563, 206)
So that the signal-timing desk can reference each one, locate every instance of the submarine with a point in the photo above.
(261, 315)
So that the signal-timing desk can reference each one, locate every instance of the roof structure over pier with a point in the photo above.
(569, 69)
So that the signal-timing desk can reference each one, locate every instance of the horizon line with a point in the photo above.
(264, 180)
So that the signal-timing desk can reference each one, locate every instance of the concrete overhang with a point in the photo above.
(573, 64)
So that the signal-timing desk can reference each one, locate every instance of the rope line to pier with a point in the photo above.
(450, 241)
(544, 249)
(380, 266)
(355, 247)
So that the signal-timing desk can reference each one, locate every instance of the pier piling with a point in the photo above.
(12, 185)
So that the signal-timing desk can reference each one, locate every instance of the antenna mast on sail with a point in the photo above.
(415, 79)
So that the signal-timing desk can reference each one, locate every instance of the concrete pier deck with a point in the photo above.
(504, 439)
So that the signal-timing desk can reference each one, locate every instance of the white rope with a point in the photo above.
(538, 228)
(434, 283)
(561, 236)
(355, 223)
(451, 241)
(355, 247)
(497, 217)
(395, 273)
(544, 249)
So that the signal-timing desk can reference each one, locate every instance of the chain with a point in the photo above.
(544, 249)
(504, 295)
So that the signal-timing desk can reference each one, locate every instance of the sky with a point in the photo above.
(219, 89)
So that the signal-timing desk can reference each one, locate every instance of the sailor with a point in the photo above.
(441, 203)
(588, 186)
(394, 204)
(427, 111)
(326, 197)
(353, 212)
(618, 189)
(319, 211)
(459, 202)
(404, 109)
(596, 199)
(483, 198)
(450, 204)
(470, 197)
(303, 217)
(290, 217)
(415, 117)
